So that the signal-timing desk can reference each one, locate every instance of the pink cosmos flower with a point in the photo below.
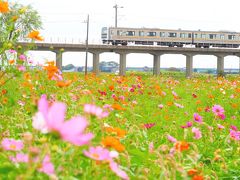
(12, 51)
(96, 111)
(131, 89)
(12, 144)
(220, 126)
(21, 68)
(197, 133)
(20, 157)
(171, 139)
(160, 106)
(51, 119)
(197, 118)
(22, 57)
(174, 94)
(217, 109)
(122, 98)
(179, 105)
(98, 153)
(188, 124)
(221, 116)
(108, 106)
(151, 147)
(46, 166)
(235, 134)
(115, 168)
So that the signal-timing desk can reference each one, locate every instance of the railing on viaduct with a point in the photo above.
(156, 51)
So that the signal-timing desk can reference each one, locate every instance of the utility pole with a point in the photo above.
(116, 13)
(87, 46)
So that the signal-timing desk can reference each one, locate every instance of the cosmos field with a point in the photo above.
(71, 126)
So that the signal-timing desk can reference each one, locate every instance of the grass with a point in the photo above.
(214, 155)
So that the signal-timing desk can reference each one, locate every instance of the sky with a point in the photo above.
(65, 21)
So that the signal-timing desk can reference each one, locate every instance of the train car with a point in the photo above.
(169, 37)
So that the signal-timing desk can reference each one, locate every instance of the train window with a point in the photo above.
(130, 33)
(222, 36)
(182, 35)
(151, 33)
(141, 33)
(203, 36)
(212, 36)
(196, 36)
(119, 33)
(112, 32)
(232, 37)
(170, 34)
(189, 35)
(162, 34)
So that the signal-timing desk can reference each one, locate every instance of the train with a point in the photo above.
(170, 37)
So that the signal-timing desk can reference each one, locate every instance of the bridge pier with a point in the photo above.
(96, 63)
(189, 65)
(122, 66)
(156, 64)
(59, 60)
(220, 65)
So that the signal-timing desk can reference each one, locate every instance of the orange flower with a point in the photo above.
(234, 105)
(197, 177)
(117, 107)
(113, 143)
(52, 69)
(181, 146)
(198, 102)
(64, 83)
(14, 18)
(4, 7)
(11, 61)
(111, 88)
(192, 172)
(35, 35)
(119, 132)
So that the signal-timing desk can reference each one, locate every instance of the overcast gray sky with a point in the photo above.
(64, 21)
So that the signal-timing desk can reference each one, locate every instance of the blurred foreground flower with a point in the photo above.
(4, 7)
(51, 119)
(12, 144)
(35, 36)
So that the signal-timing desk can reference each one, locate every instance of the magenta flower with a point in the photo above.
(96, 111)
(188, 124)
(51, 119)
(197, 118)
(221, 116)
(197, 133)
(115, 168)
(171, 139)
(217, 109)
(12, 144)
(234, 127)
(98, 153)
(20, 157)
(46, 166)
(149, 125)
